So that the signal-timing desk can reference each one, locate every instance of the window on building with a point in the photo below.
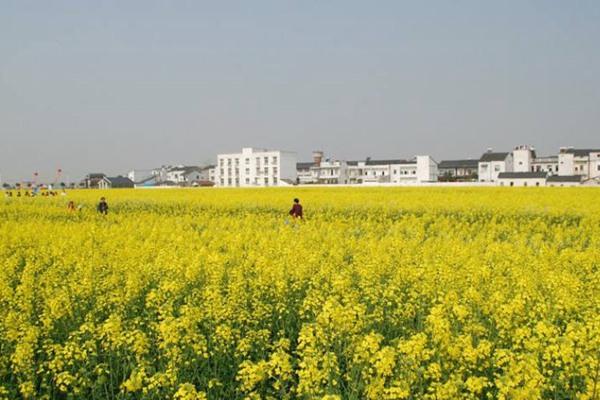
(266, 181)
(237, 171)
(266, 170)
(237, 161)
(414, 172)
(247, 181)
(229, 181)
(497, 168)
(275, 180)
(247, 171)
(257, 161)
(221, 162)
(222, 181)
(247, 161)
(275, 170)
(222, 171)
(229, 161)
(274, 159)
(266, 160)
(229, 171)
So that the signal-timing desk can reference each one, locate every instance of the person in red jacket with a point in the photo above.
(296, 210)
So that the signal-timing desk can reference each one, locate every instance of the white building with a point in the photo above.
(522, 179)
(331, 172)
(212, 173)
(420, 169)
(427, 169)
(582, 162)
(256, 167)
(492, 164)
(548, 164)
(525, 159)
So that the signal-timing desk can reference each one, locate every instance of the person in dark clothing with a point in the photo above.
(296, 210)
(102, 206)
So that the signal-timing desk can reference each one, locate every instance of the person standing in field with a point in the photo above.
(296, 210)
(102, 206)
(71, 206)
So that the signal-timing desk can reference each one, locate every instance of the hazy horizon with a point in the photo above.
(114, 86)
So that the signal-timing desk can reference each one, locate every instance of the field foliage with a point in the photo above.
(395, 293)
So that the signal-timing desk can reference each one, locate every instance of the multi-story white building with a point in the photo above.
(547, 164)
(525, 159)
(331, 172)
(256, 167)
(419, 169)
(579, 162)
(492, 164)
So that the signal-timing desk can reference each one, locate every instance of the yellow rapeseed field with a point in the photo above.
(380, 293)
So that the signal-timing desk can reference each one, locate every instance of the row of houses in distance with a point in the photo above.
(253, 167)
(165, 176)
(259, 167)
(523, 167)
(177, 175)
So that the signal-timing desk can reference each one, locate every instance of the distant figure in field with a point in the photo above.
(102, 206)
(71, 206)
(296, 210)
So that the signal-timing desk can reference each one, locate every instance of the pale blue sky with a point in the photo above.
(114, 85)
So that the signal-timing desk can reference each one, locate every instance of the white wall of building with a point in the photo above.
(489, 170)
(566, 164)
(331, 172)
(522, 181)
(522, 158)
(426, 169)
(545, 164)
(404, 173)
(255, 167)
(594, 169)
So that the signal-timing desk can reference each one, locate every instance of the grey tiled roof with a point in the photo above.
(582, 152)
(487, 157)
(304, 165)
(120, 181)
(458, 164)
(521, 175)
(564, 178)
